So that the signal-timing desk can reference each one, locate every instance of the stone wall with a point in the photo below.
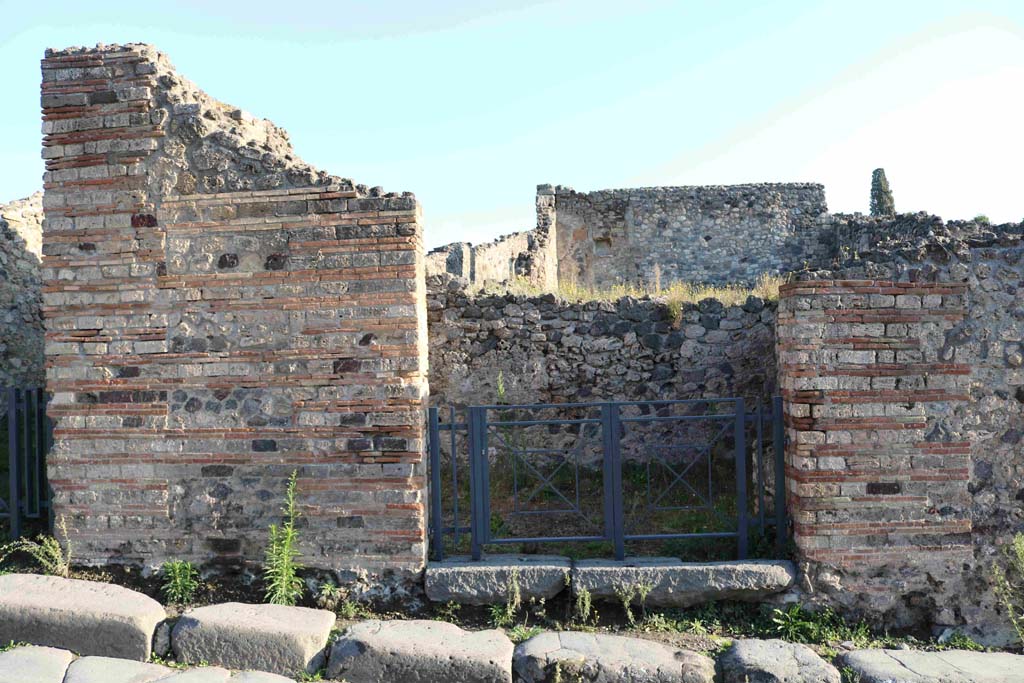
(552, 351)
(492, 263)
(21, 321)
(219, 314)
(716, 234)
(905, 400)
(528, 256)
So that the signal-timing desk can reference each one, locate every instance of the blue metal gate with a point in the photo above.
(29, 437)
(607, 471)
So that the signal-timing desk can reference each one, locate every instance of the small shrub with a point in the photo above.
(960, 641)
(799, 625)
(982, 219)
(329, 596)
(181, 581)
(522, 632)
(848, 675)
(505, 615)
(280, 571)
(626, 594)
(351, 609)
(46, 551)
(449, 612)
(501, 387)
(1009, 584)
(583, 606)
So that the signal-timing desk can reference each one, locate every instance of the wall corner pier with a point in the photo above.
(218, 313)
(877, 483)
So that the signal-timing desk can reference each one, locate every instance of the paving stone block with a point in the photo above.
(86, 617)
(34, 664)
(273, 638)
(950, 666)
(206, 674)
(774, 661)
(601, 658)
(111, 670)
(258, 677)
(402, 651)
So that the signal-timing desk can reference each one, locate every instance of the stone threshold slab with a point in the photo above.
(672, 582)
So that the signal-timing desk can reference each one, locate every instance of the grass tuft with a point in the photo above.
(675, 295)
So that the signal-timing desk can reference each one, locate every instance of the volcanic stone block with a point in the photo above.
(679, 584)
(951, 666)
(82, 616)
(110, 670)
(487, 581)
(275, 638)
(205, 674)
(774, 661)
(400, 651)
(602, 658)
(258, 677)
(34, 664)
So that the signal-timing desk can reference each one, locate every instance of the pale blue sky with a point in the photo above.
(471, 104)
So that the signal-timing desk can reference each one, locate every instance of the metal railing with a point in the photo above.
(29, 437)
(607, 471)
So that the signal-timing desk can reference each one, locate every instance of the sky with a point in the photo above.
(472, 104)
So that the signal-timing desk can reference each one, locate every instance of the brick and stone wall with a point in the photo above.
(218, 314)
(553, 351)
(21, 321)
(716, 234)
(905, 400)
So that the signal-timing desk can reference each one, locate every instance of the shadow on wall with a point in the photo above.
(21, 323)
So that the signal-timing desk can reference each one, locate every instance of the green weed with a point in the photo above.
(181, 581)
(280, 570)
(53, 558)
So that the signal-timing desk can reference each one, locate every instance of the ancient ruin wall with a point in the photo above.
(21, 320)
(219, 314)
(905, 400)
(527, 256)
(714, 234)
(489, 264)
(551, 350)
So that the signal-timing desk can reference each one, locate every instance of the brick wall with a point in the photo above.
(218, 314)
(877, 483)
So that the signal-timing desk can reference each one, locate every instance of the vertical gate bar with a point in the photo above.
(741, 480)
(618, 517)
(47, 445)
(455, 476)
(436, 519)
(476, 492)
(32, 495)
(608, 476)
(759, 419)
(781, 530)
(485, 477)
(26, 444)
(14, 507)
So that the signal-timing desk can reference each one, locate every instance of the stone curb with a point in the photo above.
(672, 582)
(86, 617)
(276, 638)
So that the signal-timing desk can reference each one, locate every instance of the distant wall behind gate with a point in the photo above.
(219, 314)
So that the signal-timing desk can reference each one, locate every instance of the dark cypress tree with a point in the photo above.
(881, 195)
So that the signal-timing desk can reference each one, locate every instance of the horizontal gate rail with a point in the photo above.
(749, 431)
